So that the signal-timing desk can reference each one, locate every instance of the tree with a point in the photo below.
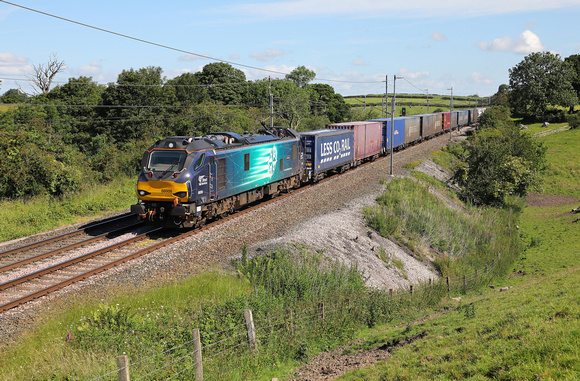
(224, 83)
(326, 102)
(540, 80)
(499, 161)
(574, 62)
(45, 73)
(14, 96)
(301, 76)
(138, 105)
(188, 89)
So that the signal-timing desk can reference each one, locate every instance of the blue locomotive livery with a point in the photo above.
(186, 181)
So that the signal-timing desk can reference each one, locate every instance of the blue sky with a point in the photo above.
(350, 44)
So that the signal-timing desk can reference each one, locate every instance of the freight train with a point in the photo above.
(186, 181)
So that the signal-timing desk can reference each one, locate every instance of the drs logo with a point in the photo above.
(272, 159)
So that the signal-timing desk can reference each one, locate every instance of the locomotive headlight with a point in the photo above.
(180, 194)
(143, 193)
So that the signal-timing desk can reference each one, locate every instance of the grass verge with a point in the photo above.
(21, 218)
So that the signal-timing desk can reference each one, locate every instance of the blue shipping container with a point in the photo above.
(327, 149)
(399, 132)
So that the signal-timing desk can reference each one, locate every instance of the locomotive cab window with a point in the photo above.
(167, 160)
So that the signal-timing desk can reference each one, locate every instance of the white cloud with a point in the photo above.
(479, 78)
(189, 58)
(438, 36)
(267, 55)
(359, 63)
(528, 42)
(93, 69)
(235, 57)
(11, 64)
(416, 75)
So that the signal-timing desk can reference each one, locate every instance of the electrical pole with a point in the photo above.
(427, 100)
(393, 98)
(271, 102)
(451, 115)
(386, 96)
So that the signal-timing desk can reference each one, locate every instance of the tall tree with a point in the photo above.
(540, 80)
(326, 102)
(574, 62)
(224, 83)
(45, 73)
(301, 76)
(188, 89)
(138, 104)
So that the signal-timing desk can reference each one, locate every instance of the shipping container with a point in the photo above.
(398, 130)
(325, 150)
(412, 129)
(463, 118)
(454, 119)
(368, 137)
(430, 125)
(446, 121)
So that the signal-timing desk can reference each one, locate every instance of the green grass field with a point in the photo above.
(416, 104)
(530, 331)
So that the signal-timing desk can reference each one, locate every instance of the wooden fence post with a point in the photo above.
(197, 357)
(123, 368)
(391, 292)
(250, 329)
(321, 308)
(411, 289)
(447, 278)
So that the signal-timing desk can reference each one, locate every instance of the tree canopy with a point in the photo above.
(301, 76)
(498, 161)
(80, 132)
(541, 80)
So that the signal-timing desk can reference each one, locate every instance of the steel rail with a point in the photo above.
(63, 249)
(59, 237)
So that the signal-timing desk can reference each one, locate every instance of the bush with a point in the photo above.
(574, 120)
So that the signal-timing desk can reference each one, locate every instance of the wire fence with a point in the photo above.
(245, 339)
(550, 132)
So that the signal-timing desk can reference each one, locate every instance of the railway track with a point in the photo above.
(58, 268)
(59, 274)
(37, 268)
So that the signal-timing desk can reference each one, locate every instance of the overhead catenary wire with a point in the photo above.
(167, 46)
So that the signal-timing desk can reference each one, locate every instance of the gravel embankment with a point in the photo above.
(325, 216)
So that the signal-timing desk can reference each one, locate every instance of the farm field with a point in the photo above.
(416, 104)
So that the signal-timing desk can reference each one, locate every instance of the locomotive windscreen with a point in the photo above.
(167, 160)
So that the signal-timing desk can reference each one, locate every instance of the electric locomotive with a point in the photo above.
(186, 181)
